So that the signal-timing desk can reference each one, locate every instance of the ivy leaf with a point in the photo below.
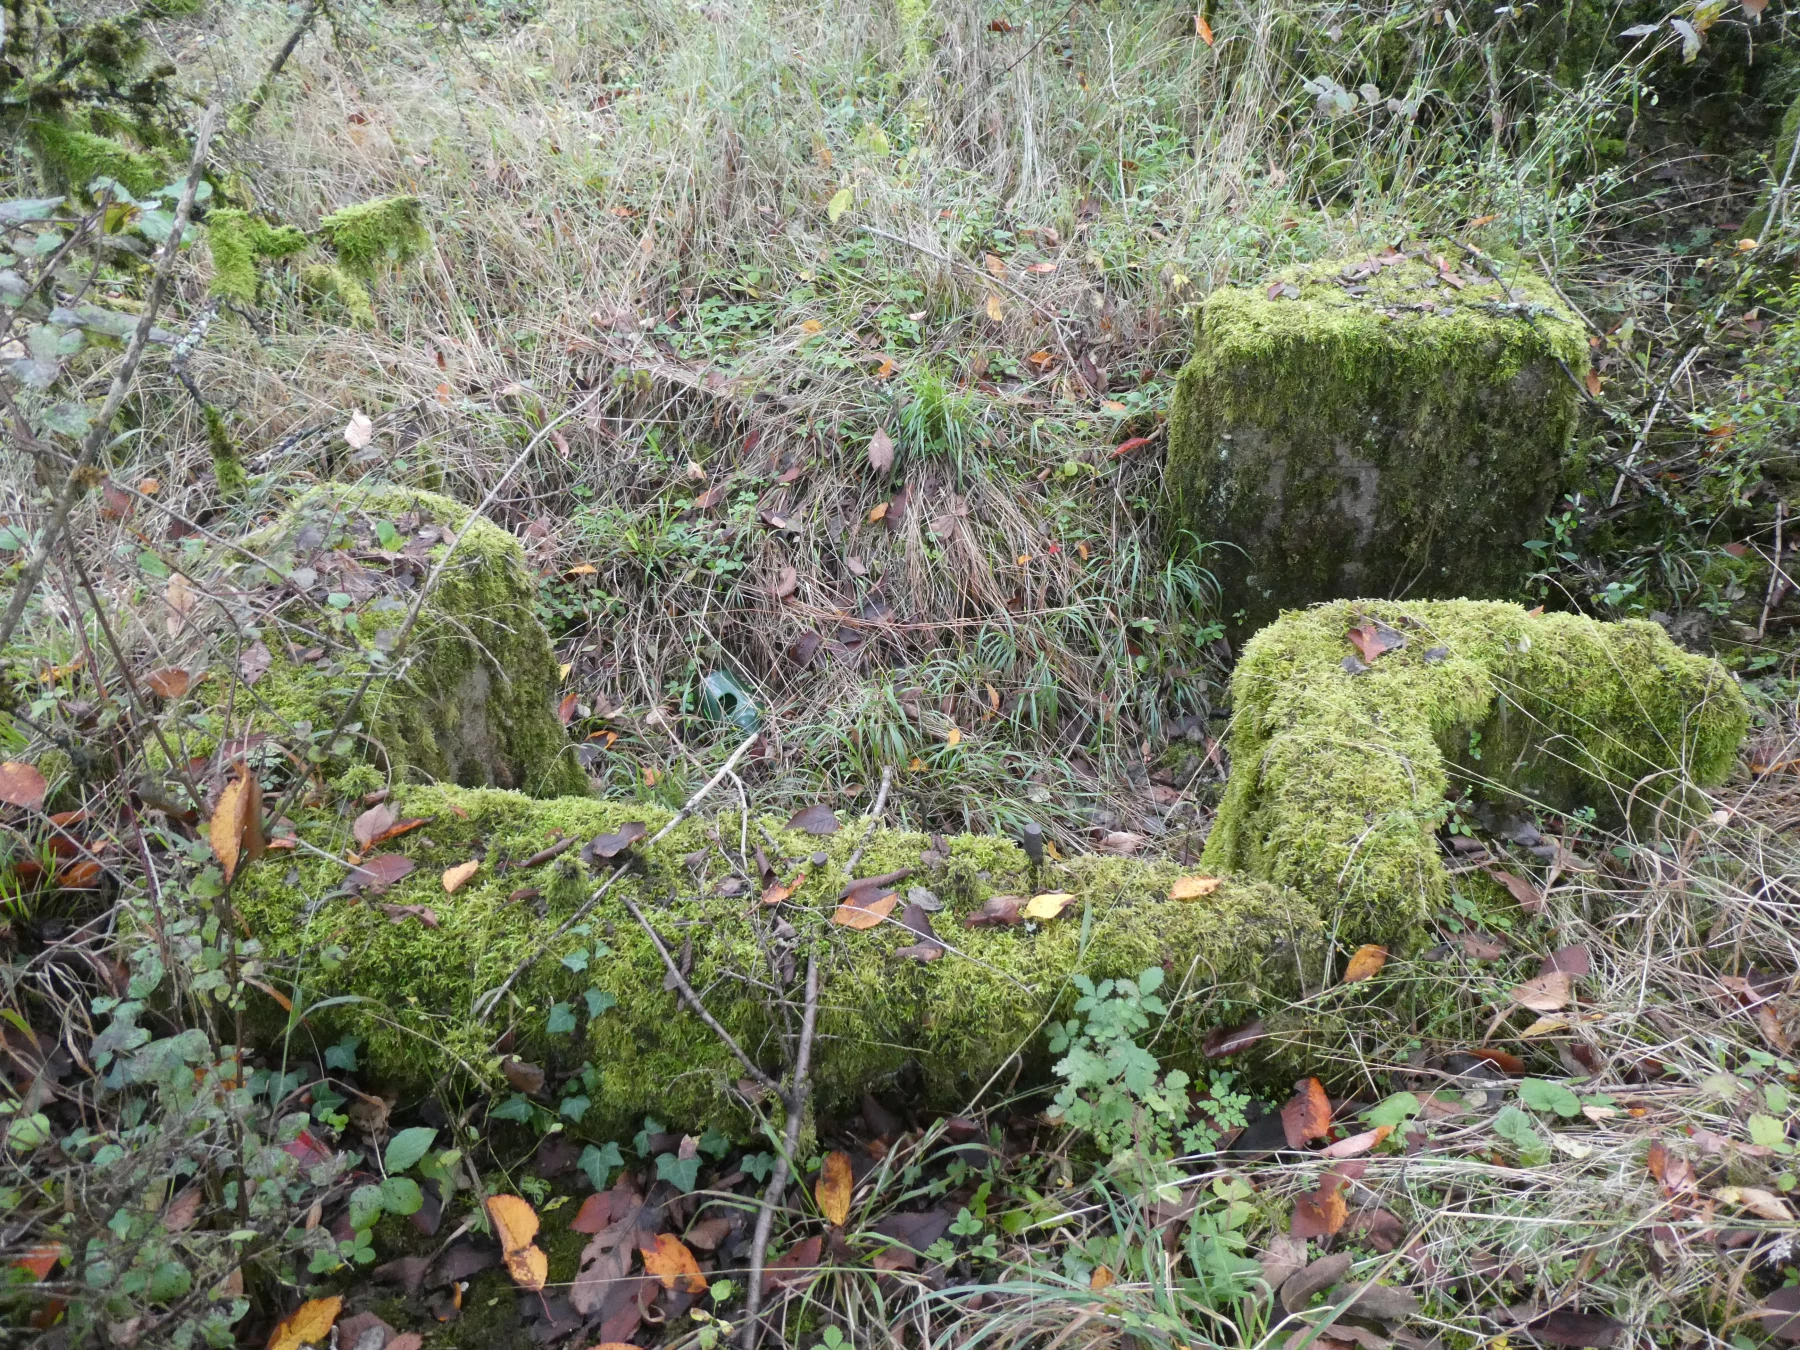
(562, 1019)
(574, 1107)
(598, 1001)
(343, 1054)
(681, 1173)
(516, 1107)
(598, 1163)
(577, 960)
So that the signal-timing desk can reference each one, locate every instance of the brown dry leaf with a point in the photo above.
(832, 1190)
(1373, 639)
(820, 819)
(235, 830)
(1049, 905)
(568, 707)
(254, 662)
(1481, 946)
(787, 581)
(1502, 1059)
(1308, 1114)
(311, 1322)
(1763, 1204)
(1102, 1278)
(454, 877)
(995, 264)
(998, 911)
(169, 682)
(22, 785)
(994, 309)
(1358, 1143)
(776, 892)
(1192, 888)
(881, 450)
(425, 914)
(179, 1214)
(179, 594)
(670, 1260)
(378, 873)
(864, 908)
(795, 1268)
(1222, 1041)
(1321, 1212)
(516, 1224)
(1780, 1313)
(1368, 959)
(1528, 896)
(1546, 993)
(372, 824)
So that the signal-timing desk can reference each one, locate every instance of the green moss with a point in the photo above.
(473, 701)
(1338, 780)
(1404, 439)
(75, 157)
(228, 469)
(387, 232)
(237, 241)
(326, 282)
(958, 1019)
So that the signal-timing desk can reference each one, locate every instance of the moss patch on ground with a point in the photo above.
(1374, 427)
(471, 700)
(955, 1021)
(1339, 780)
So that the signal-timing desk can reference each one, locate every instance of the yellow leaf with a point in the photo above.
(840, 202)
(455, 876)
(516, 1224)
(1368, 959)
(311, 1322)
(1102, 1278)
(879, 512)
(995, 310)
(954, 737)
(862, 910)
(995, 265)
(1544, 1026)
(582, 570)
(812, 326)
(235, 831)
(1192, 888)
(562, 671)
(915, 764)
(670, 1260)
(832, 1190)
(1049, 905)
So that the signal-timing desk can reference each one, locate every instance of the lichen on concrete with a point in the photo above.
(1344, 431)
(1339, 780)
(953, 1022)
(472, 699)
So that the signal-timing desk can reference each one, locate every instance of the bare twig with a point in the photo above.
(1777, 578)
(101, 429)
(245, 116)
(484, 1006)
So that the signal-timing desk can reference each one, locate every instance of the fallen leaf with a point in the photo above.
(1522, 890)
(1102, 1278)
(1481, 946)
(1574, 959)
(878, 512)
(775, 893)
(1546, 993)
(953, 737)
(401, 913)
(1373, 639)
(1192, 888)
(235, 831)
(820, 819)
(1780, 1313)
(39, 1261)
(22, 785)
(115, 502)
(254, 662)
(1044, 269)
(1358, 1143)
(1203, 29)
(796, 1267)
(1593, 382)
(1565, 1327)
(832, 1190)
(1222, 1041)
(881, 450)
(515, 1225)
(865, 908)
(566, 709)
(1763, 1204)
(372, 824)
(454, 877)
(604, 1261)
(359, 430)
(995, 310)
(1299, 1287)
(1367, 960)
(670, 1260)
(528, 1078)
(378, 873)
(1048, 906)
(1319, 1212)
(996, 912)
(787, 581)
(1307, 1115)
(1545, 1026)
(1127, 446)
(179, 1214)
(607, 846)
(169, 682)
(310, 1322)
(1501, 1059)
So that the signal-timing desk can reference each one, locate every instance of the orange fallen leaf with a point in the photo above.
(22, 785)
(1546, 993)
(39, 1261)
(670, 1260)
(310, 1322)
(778, 892)
(1358, 1143)
(1203, 29)
(235, 831)
(516, 1224)
(1102, 1278)
(1192, 888)
(832, 1190)
(454, 877)
(170, 682)
(1368, 959)
(863, 909)
(1320, 1212)
(1308, 1114)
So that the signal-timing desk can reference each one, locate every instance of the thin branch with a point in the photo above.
(115, 396)
(245, 117)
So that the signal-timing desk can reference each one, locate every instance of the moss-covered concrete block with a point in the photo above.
(958, 1019)
(1381, 426)
(471, 700)
(1339, 779)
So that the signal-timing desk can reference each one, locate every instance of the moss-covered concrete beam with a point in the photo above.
(1375, 426)
(939, 1029)
(471, 699)
(1339, 779)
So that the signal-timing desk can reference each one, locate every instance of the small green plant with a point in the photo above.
(1114, 1088)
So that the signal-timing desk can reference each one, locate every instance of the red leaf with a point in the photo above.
(1222, 1041)
(377, 874)
(999, 911)
(565, 711)
(1575, 960)
(1126, 447)
(796, 1269)
(1504, 1059)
